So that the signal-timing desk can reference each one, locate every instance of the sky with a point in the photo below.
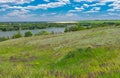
(59, 10)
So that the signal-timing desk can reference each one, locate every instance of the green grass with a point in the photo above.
(99, 21)
(93, 53)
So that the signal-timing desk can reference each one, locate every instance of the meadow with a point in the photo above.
(92, 53)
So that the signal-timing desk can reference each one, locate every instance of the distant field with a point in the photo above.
(99, 21)
(93, 53)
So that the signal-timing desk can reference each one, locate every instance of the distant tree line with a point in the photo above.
(89, 25)
(9, 26)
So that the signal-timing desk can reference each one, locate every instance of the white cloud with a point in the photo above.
(19, 13)
(113, 14)
(66, 1)
(16, 1)
(84, 0)
(77, 9)
(94, 9)
(46, 6)
(82, 6)
(98, 4)
(111, 10)
(105, 1)
(101, 1)
(71, 15)
(40, 6)
(85, 5)
(115, 6)
(45, 15)
(115, 3)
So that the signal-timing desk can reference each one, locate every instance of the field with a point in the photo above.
(93, 53)
(100, 21)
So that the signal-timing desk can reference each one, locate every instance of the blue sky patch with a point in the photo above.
(59, 10)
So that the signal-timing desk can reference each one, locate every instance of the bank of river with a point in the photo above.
(11, 33)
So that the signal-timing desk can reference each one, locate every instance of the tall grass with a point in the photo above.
(90, 53)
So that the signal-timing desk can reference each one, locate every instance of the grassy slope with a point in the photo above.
(83, 54)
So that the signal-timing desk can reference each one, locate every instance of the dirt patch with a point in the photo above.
(22, 59)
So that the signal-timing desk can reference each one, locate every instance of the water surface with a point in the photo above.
(11, 33)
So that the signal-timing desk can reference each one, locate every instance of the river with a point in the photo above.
(11, 33)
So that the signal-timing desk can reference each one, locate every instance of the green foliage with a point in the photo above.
(17, 35)
(74, 28)
(85, 54)
(43, 32)
(9, 26)
(28, 34)
(3, 38)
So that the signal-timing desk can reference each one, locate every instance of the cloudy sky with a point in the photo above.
(58, 10)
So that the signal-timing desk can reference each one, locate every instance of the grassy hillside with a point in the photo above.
(93, 53)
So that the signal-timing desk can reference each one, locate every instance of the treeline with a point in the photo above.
(10, 26)
(88, 25)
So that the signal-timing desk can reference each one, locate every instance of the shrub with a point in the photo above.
(74, 28)
(3, 38)
(28, 34)
(42, 33)
(18, 35)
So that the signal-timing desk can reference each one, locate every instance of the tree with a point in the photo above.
(74, 28)
(18, 35)
(28, 34)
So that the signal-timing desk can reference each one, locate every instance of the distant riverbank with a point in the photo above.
(11, 33)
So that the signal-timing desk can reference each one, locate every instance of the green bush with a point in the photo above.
(28, 34)
(18, 35)
(74, 28)
(42, 33)
(3, 38)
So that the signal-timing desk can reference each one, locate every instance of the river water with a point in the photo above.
(11, 33)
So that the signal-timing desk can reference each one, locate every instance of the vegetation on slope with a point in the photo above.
(93, 53)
